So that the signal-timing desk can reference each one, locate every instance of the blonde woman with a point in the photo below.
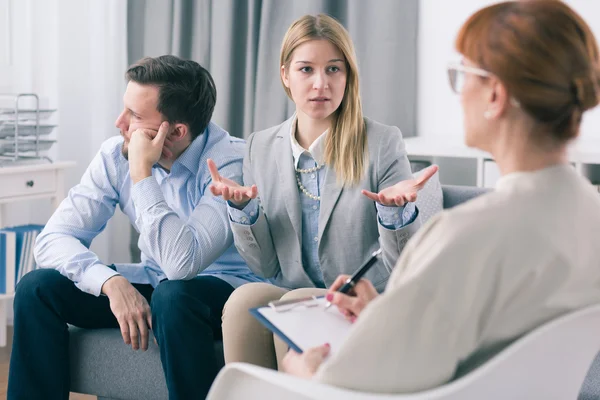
(322, 190)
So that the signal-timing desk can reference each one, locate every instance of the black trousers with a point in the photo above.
(186, 318)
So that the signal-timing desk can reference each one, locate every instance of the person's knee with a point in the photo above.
(34, 285)
(165, 295)
(302, 293)
(170, 303)
(248, 296)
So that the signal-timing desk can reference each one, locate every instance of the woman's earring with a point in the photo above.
(487, 114)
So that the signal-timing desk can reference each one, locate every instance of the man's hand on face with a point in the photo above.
(131, 310)
(145, 149)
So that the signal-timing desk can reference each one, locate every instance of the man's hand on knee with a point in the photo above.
(131, 310)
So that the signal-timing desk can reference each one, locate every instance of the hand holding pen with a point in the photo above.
(352, 293)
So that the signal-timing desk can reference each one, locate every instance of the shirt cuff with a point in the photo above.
(146, 193)
(246, 216)
(396, 217)
(94, 277)
(410, 213)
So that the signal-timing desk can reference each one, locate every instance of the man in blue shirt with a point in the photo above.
(155, 171)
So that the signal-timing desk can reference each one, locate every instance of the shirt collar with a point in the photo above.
(190, 158)
(315, 150)
(514, 179)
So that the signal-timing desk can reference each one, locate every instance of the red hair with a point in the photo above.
(544, 53)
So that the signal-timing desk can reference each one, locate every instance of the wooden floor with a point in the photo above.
(4, 361)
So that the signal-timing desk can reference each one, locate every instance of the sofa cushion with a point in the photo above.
(430, 198)
(455, 195)
(103, 365)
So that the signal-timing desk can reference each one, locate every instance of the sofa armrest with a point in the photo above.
(455, 195)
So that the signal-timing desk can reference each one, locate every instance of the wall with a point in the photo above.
(439, 113)
(91, 65)
(73, 54)
(24, 48)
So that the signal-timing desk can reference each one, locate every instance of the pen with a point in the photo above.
(350, 282)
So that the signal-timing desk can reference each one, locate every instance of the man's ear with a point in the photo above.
(179, 132)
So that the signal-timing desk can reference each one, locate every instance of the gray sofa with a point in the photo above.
(102, 365)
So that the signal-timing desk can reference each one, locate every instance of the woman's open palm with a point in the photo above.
(402, 192)
(230, 190)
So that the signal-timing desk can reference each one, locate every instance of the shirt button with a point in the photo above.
(252, 213)
(315, 207)
(313, 176)
(316, 239)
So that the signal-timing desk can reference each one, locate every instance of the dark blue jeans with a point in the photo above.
(186, 317)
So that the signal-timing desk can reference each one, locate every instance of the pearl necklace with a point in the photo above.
(301, 186)
(305, 191)
(310, 170)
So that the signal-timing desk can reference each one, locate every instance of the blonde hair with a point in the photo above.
(346, 142)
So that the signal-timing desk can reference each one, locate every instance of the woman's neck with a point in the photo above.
(308, 130)
(521, 153)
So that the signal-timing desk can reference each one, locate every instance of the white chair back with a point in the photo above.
(548, 363)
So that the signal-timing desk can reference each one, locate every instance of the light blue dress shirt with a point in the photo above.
(390, 217)
(184, 229)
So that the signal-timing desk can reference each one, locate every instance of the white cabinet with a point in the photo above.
(584, 154)
(491, 174)
(23, 183)
(28, 183)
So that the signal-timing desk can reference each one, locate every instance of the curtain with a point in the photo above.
(238, 41)
(90, 49)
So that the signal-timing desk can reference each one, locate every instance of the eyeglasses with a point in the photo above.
(456, 75)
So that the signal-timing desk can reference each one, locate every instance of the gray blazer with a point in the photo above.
(348, 224)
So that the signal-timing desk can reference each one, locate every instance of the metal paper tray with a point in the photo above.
(8, 129)
(8, 146)
(26, 114)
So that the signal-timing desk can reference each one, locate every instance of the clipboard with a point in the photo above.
(304, 323)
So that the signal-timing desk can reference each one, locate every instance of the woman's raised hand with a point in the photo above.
(230, 190)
